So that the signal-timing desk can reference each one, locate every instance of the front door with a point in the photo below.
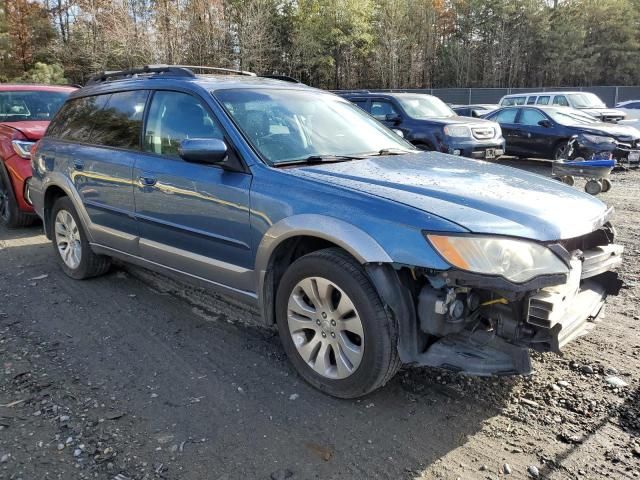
(534, 139)
(193, 217)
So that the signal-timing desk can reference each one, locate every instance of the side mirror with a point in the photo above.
(545, 123)
(203, 150)
(392, 117)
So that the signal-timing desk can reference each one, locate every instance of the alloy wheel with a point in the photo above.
(68, 239)
(562, 152)
(325, 327)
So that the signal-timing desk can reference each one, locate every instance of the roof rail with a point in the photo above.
(284, 78)
(218, 69)
(349, 91)
(160, 70)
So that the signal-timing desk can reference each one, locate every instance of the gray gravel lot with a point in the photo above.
(133, 376)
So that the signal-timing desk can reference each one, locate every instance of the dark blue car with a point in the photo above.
(365, 252)
(430, 124)
(544, 132)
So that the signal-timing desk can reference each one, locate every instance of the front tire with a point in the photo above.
(561, 151)
(70, 243)
(333, 325)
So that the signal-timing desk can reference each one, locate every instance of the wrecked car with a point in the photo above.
(365, 252)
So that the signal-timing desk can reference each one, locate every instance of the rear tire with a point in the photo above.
(333, 326)
(606, 185)
(70, 243)
(10, 214)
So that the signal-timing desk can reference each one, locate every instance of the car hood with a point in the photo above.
(618, 131)
(33, 130)
(479, 196)
(603, 111)
(458, 120)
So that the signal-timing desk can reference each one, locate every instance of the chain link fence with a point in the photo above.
(468, 96)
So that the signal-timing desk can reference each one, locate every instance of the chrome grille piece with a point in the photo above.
(483, 133)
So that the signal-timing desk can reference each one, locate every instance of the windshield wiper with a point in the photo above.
(391, 151)
(321, 159)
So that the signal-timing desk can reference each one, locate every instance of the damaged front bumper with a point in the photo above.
(480, 327)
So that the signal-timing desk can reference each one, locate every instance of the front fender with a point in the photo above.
(358, 243)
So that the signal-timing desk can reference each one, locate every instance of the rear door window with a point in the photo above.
(76, 118)
(507, 115)
(119, 123)
(360, 103)
(176, 116)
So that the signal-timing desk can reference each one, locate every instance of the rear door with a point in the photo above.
(99, 148)
(194, 218)
(507, 120)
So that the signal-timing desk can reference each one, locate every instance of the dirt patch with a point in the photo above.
(118, 378)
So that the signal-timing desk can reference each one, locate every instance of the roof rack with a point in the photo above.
(284, 78)
(160, 70)
(350, 91)
(218, 69)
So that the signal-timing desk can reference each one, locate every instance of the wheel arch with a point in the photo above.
(295, 236)
(557, 144)
(55, 187)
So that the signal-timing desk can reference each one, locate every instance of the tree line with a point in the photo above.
(331, 43)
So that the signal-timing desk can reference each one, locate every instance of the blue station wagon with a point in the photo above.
(365, 252)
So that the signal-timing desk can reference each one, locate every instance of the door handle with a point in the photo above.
(78, 165)
(147, 181)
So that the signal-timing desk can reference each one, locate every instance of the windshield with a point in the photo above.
(571, 117)
(586, 100)
(423, 107)
(22, 105)
(290, 125)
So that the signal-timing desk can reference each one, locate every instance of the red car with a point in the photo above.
(25, 112)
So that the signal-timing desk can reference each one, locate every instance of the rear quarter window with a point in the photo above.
(75, 120)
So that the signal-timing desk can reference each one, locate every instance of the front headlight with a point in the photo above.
(457, 131)
(515, 260)
(597, 138)
(23, 148)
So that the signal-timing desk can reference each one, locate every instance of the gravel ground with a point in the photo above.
(133, 376)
